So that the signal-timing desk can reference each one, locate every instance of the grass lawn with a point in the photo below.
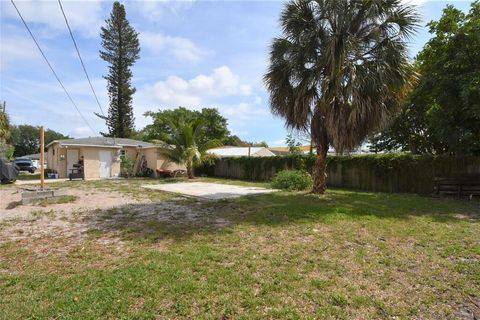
(284, 255)
(28, 176)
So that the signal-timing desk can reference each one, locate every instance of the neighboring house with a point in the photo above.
(35, 159)
(241, 152)
(283, 151)
(101, 156)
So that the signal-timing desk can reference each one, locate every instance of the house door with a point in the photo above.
(105, 161)
(72, 158)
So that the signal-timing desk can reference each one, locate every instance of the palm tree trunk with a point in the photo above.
(190, 170)
(320, 171)
(320, 137)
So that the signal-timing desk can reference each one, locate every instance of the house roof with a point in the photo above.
(286, 150)
(103, 142)
(35, 156)
(240, 151)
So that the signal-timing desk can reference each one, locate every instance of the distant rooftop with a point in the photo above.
(103, 141)
(281, 151)
(229, 151)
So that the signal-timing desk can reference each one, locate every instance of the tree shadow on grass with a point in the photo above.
(184, 218)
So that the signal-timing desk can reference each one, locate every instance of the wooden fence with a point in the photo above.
(384, 173)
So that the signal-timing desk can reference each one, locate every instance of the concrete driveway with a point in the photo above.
(211, 191)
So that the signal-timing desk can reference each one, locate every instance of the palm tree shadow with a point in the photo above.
(188, 217)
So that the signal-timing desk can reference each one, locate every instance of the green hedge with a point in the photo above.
(380, 172)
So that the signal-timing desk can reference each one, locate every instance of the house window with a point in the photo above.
(122, 152)
(53, 151)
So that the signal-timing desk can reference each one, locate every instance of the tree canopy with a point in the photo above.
(339, 68)
(6, 150)
(442, 113)
(215, 126)
(26, 138)
(185, 143)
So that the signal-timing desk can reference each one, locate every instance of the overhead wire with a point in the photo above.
(80, 57)
(51, 68)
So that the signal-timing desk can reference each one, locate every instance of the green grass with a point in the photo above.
(55, 200)
(28, 176)
(285, 255)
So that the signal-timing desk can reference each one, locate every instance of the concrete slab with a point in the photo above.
(211, 191)
(32, 195)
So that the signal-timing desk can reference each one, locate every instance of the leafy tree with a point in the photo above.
(259, 144)
(215, 125)
(121, 49)
(339, 68)
(442, 113)
(293, 145)
(234, 140)
(26, 139)
(6, 150)
(184, 145)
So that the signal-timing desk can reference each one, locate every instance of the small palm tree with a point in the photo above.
(338, 70)
(182, 145)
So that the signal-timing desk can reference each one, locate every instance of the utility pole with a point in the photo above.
(42, 158)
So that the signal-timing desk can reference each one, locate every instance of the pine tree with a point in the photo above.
(121, 50)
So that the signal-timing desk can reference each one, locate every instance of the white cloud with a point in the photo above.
(243, 111)
(81, 132)
(153, 10)
(240, 133)
(84, 17)
(176, 91)
(277, 143)
(15, 49)
(180, 48)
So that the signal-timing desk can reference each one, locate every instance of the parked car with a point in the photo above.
(36, 164)
(25, 164)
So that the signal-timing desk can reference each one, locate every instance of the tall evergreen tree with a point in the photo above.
(121, 50)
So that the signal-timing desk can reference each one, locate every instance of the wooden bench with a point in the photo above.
(466, 186)
(76, 173)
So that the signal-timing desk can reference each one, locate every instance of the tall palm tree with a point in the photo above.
(182, 145)
(338, 68)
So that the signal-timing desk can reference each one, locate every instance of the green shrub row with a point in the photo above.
(393, 172)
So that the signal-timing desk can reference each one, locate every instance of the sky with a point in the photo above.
(194, 54)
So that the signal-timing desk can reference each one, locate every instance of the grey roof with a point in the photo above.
(104, 141)
(241, 152)
(35, 156)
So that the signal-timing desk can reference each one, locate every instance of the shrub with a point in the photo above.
(145, 173)
(292, 180)
(126, 166)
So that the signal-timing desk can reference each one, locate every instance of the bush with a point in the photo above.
(292, 180)
(126, 166)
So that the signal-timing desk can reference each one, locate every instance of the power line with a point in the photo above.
(80, 57)
(51, 68)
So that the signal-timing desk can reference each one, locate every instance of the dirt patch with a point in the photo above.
(10, 207)
(98, 217)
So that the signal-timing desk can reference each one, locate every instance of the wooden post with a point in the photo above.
(42, 158)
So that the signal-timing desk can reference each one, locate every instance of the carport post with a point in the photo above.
(42, 158)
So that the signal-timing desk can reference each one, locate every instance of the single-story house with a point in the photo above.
(283, 151)
(35, 159)
(227, 151)
(35, 156)
(102, 156)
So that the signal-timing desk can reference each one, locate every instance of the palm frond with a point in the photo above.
(345, 61)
